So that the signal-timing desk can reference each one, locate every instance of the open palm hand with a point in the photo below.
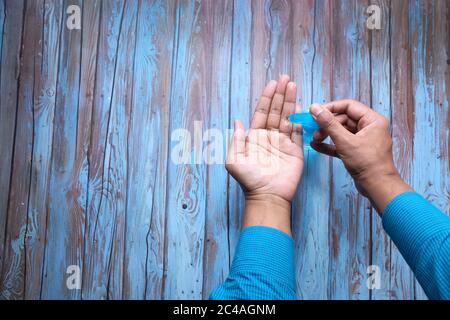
(269, 160)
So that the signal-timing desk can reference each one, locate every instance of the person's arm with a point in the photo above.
(422, 234)
(419, 230)
(268, 163)
(263, 265)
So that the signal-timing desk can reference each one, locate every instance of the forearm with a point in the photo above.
(418, 229)
(263, 265)
(262, 268)
(422, 234)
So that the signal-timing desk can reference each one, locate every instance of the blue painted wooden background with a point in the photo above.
(86, 117)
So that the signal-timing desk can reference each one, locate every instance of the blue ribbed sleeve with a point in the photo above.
(262, 268)
(422, 234)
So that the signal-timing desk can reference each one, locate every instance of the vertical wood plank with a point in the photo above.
(278, 14)
(380, 101)
(2, 25)
(190, 98)
(240, 105)
(102, 224)
(271, 41)
(216, 251)
(13, 13)
(400, 284)
(44, 107)
(88, 66)
(13, 267)
(8, 155)
(65, 229)
(444, 32)
(350, 212)
(429, 33)
(446, 146)
(311, 55)
(304, 51)
(148, 151)
(111, 216)
(260, 48)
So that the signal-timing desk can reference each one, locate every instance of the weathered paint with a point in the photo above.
(240, 106)
(12, 18)
(13, 265)
(216, 250)
(106, 225)
(187, 183)
(65, 226)
(86, 118)
(349, 212)
(399, 280)
(430, 174)
(44, 110)
(312, 44)
(148, 150)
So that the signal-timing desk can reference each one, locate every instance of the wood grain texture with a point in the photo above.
(43, 119)
(312, 23)
(148, 151)
(240, 106)
(187, 183)
(13, 16)
(350, 212)
(13, 266)
(88, 68)
(100, 225)
(105, 239)
(89, 120)
(65, 225)
(401, 283)
(380, 101)
(216, 250)
(427, 27)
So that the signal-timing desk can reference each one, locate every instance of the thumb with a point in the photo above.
(237, 146)
(328, 122)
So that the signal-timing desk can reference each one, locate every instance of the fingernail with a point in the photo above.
(292, 85)
(315, 109)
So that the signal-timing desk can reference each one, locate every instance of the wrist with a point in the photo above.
(384, 187)
(267, 198)
(267, 210)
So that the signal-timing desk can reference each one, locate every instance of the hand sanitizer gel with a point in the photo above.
(308, 123)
